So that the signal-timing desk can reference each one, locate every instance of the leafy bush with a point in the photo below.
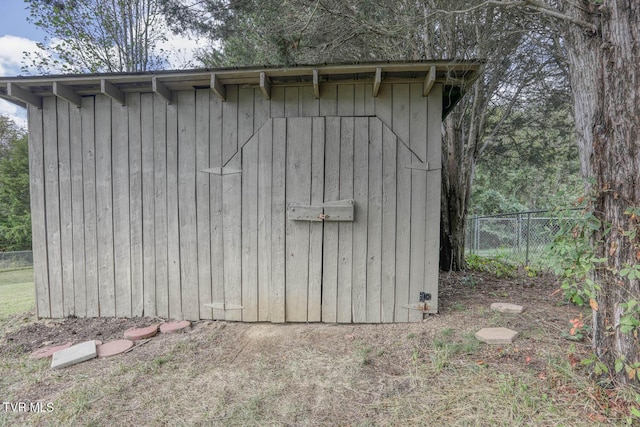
(571, 255)
(495, 265)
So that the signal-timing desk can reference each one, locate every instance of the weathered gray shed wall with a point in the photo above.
(125, 223)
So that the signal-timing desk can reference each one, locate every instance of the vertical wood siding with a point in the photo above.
(202, 199)
(87, 117)
(121, 209)
(104, 206)
(66, 220)
(126, 223)
(161, 206)
(38, 213)
(215, 207)
(135, 203)
(77, 207)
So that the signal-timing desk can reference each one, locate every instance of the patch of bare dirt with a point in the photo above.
(71, 329)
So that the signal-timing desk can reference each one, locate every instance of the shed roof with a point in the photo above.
(455, 76)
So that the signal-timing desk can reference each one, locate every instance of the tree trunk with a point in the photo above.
(606, 87)
(616, 166)
(458, 167)
(452, 231)
(583, 54)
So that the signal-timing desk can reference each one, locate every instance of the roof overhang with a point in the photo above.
(455, 77)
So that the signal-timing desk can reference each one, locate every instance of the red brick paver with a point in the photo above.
(48, 351)
(171, 327)
(136, 334)
(112, 348)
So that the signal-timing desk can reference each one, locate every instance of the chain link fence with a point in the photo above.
(16, 259)
(520, 237)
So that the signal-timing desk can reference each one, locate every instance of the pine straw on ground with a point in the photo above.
(235, 374)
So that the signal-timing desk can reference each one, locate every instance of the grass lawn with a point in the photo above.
(16, 291)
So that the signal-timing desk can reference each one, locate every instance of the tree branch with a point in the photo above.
(547, 10)
(534, 5)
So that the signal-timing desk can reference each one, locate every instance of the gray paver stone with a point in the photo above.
(74, 354)
(496, 335)
(505, 307)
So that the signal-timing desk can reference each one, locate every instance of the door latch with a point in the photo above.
(339, 210)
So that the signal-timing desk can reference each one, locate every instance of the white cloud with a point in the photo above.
(11, 53)
(181, 50)
(12, 50)
(15, 113)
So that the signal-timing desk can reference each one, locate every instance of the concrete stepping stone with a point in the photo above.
(44, 352)
(504, 307)
(136, 334)
(171, 327)
(496, 335)
(74, 354)
(113, 348)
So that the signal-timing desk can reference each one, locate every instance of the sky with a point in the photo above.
(18, 36)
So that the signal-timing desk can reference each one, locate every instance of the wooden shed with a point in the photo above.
(296, 194)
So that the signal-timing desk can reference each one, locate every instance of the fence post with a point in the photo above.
(526, 257)
(472, 234)
(518, 232)
(477, 233)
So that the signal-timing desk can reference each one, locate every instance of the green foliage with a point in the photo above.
(97, 36)
(257, 36)
(488, 200)
(532, 164)
(596, 364)
(253, 32)
(15, 216)
(631, 369)
(242, 33)
(631, 271)
(494, 265)
(571, 255)
(531, 271)
(630, 320)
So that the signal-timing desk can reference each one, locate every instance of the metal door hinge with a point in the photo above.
(422, 307)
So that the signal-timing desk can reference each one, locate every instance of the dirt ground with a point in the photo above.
(224, 373)
(456, 292)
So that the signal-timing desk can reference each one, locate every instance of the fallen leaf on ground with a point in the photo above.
(573, 360)
(597, 418)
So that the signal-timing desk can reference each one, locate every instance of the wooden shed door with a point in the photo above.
(345, 270)
(366, 266)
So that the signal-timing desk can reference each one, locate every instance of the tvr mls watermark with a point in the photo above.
(27, 407)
